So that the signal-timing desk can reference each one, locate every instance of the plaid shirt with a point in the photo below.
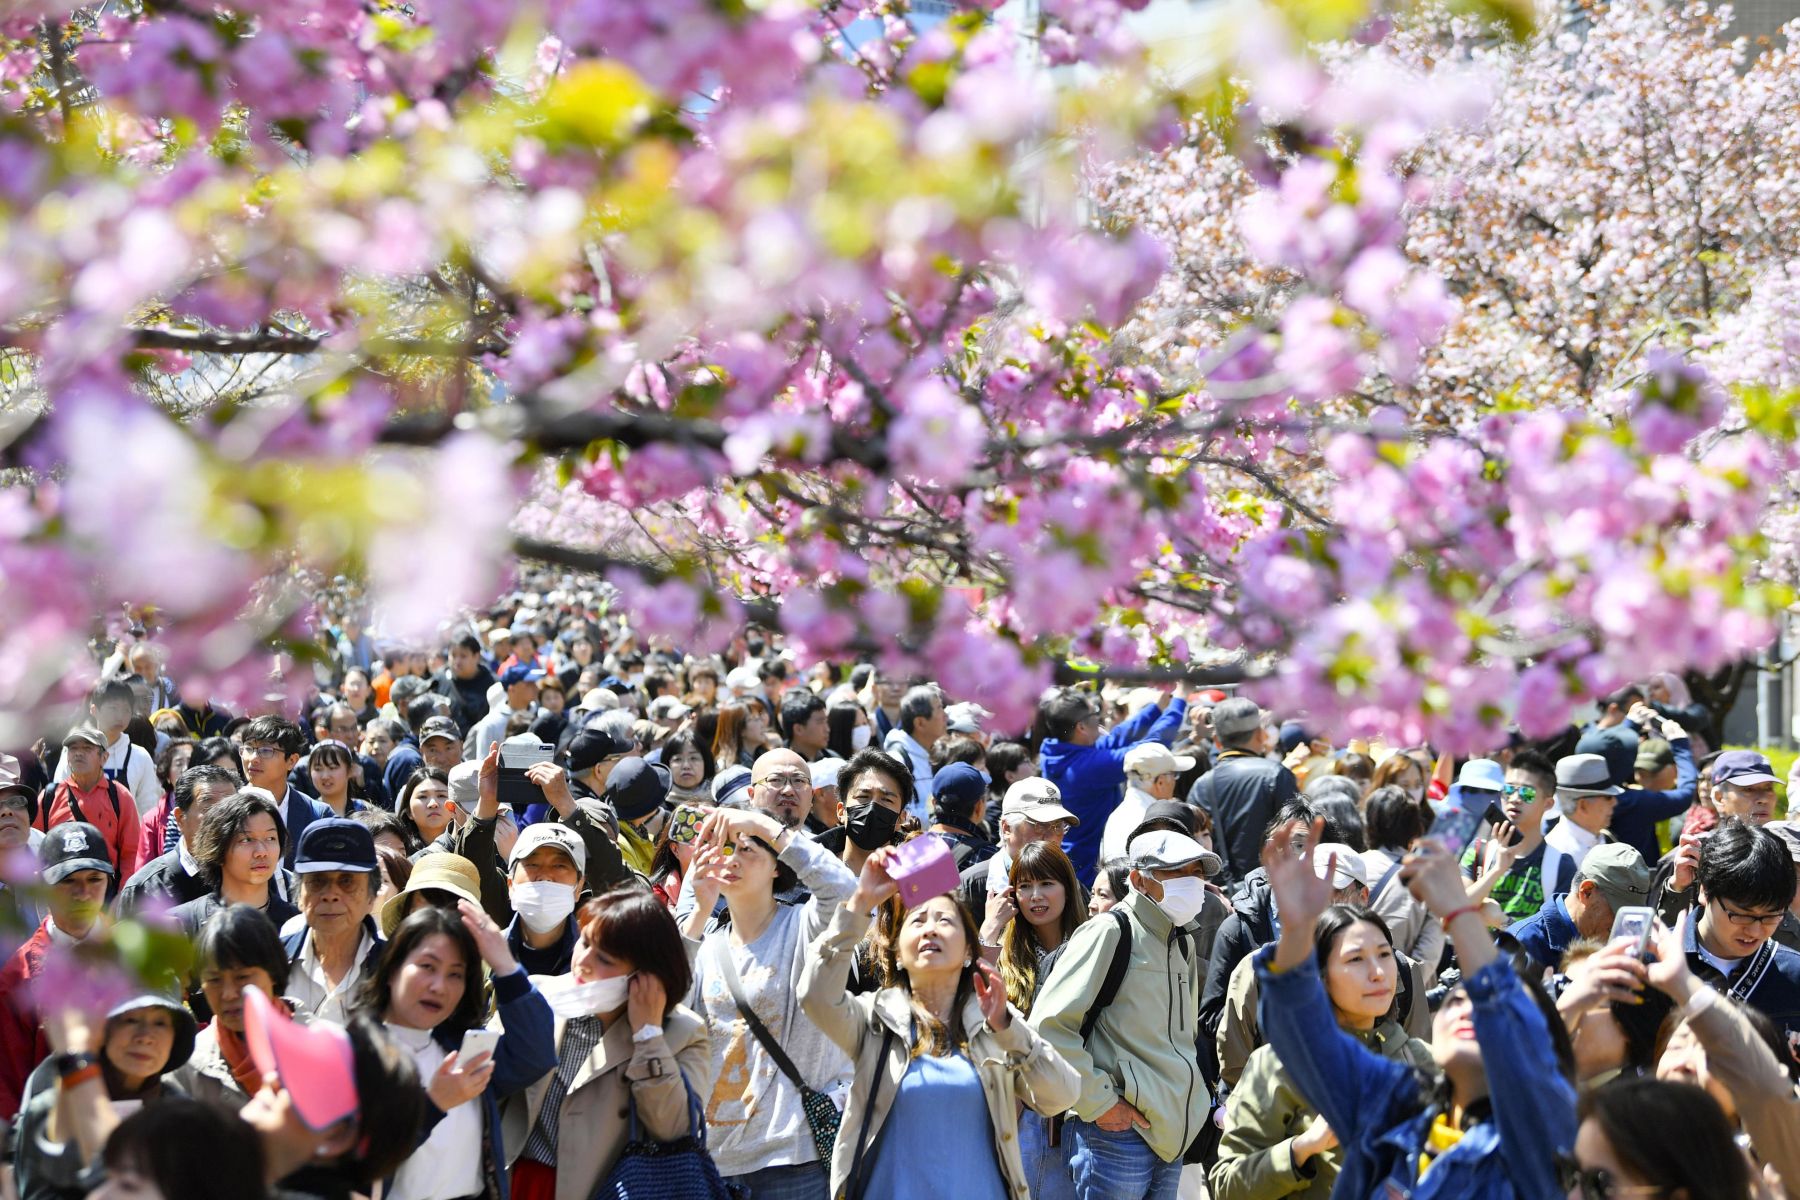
(580, 1036)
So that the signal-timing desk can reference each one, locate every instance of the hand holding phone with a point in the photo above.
(1638, 924)
(477, 1042)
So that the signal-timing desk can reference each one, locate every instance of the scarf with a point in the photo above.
(237, 1057)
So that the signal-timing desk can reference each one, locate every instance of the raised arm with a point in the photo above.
(825, 961)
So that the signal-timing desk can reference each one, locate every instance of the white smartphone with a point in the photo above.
(477, 1042)
(1638, 924)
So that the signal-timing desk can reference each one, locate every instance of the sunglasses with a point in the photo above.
(1523, 791)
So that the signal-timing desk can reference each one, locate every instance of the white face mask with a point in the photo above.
(542, 906)
(860, 736)
(1183, 899)
(568, 999)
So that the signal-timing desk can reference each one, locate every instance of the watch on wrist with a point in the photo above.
(69, 1062)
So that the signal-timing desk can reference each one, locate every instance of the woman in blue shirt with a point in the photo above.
(1505, 1115)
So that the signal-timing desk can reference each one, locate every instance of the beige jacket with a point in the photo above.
(1013, 1064)
(593, 1126)
(1766, 1103)
(206, 1075)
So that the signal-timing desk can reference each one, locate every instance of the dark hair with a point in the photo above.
(390, 1101)
(212, 749)
(916, 705)
(325, 753)
(1530, 762)
(1748, 866)
(840, 727)
(1623, 697)
(933, 1036)
(397, 866)
(955, 748)
(241, 938)
(628, 922)
(1355, 766)
(1332, 925)
(222, 824)
(111, 689)
(689, 741)
(797, 708)
(422, 709)
(1321, 786)
(377, 991)
(870, 759)
(1062, 712)
(1672, 1135)
(284, 735)
(469, 642)
(403, 806)
(1118, 876)
(378, 821)
(1296, 808)
(1392, 820)
(165, 758)
(189, 1149)
(1343, 820)
(1003, 758)
(193, 778)
(860, 675)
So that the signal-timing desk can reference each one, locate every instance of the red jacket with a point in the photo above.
(150, 832)
(22, 1042)
(117, 822)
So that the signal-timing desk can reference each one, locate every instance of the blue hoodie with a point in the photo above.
(1092, 778)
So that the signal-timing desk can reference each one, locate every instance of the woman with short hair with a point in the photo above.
(239, 848)
(238, 948)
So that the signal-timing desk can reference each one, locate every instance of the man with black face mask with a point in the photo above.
(876, 788)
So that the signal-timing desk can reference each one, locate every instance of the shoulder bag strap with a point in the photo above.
(1387, 877)
(853, 1185)
(758, 1030)
(1115, 976)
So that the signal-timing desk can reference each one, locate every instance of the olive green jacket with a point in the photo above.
(1264, 1115)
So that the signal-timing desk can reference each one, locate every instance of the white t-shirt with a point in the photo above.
(1125, 818)
(448, 1165)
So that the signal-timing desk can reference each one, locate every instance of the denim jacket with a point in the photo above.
(1381, 1112)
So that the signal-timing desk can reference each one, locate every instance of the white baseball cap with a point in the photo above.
(1036, 799)
(1151, 759)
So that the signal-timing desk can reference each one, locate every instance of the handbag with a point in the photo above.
(822, 1116)
(677, 1170)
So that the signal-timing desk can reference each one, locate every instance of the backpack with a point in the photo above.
(1109, 991)
(43, 813)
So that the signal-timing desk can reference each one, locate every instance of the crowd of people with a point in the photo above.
(551, 911)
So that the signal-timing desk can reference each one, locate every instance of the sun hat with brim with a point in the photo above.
(1347, 865)
(1585, 775)
(315, 1063)
(185, 1029)
(441, 872)
(1481, 775)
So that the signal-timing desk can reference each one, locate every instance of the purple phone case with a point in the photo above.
(923, 867)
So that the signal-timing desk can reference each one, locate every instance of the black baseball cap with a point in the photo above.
(74, 846)
(593, 744)
(336, 844)
(636, 788)
(440, 727)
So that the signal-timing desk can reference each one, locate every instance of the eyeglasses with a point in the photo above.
(786, 781)
(1596, 1183)
(1523, 791)
(1744, 920)
(14, 802)
(262, 751)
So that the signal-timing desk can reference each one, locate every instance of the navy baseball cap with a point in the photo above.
(521, 673)
(1744, 768)
(957, 788)
(336, 844)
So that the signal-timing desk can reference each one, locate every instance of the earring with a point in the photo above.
(968, 962)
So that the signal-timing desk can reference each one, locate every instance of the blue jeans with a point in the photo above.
(1117, 1166)
(800, 1181)
(1046, 1166)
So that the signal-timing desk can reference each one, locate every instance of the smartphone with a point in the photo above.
(1455, 828)
(477, 1042)
(1636, 923)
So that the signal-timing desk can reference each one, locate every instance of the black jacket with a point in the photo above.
(468, 697)
(1250, 925)
(1242, 792)
(162, 879)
